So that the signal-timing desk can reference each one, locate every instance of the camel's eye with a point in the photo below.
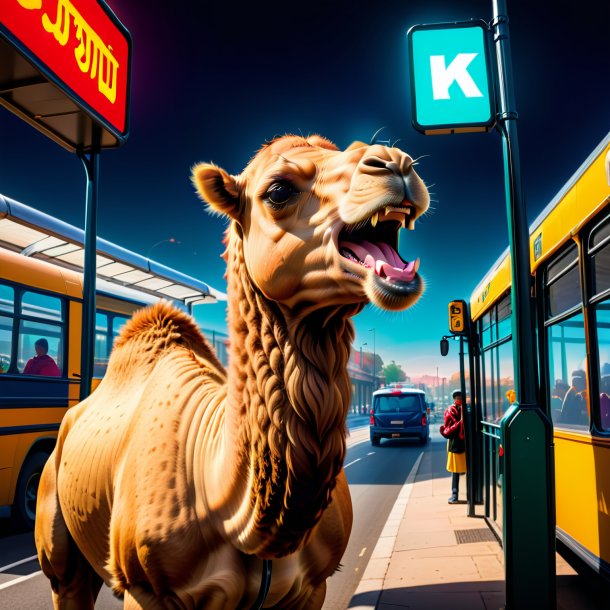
(279, 194)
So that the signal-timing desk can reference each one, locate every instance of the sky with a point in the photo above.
(212, 81)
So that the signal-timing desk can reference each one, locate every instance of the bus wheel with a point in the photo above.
(24, 508)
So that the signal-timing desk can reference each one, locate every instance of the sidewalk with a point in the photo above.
(431, 556)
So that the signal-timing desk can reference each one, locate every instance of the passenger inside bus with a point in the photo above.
(42, 363)
(574, 408)
(558, 394)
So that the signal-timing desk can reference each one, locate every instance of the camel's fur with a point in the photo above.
(175, 477)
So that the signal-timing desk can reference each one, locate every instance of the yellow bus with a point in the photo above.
(570, 266)
(41, 299)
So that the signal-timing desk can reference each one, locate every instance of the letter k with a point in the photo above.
(457, 70)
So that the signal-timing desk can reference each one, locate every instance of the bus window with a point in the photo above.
(489, 414)
(599, 247)
(506, 375)
(504, 317)
(101, 345)
(107, 327)
(7, 299)
(603, 346)
(565, 293)
(565, 330)
(40, 339)
(31, 334)
(498, 360)
(41, 306)
(117, 324)
(567, 365)
(7, 303)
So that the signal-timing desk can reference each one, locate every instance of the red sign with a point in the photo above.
(83, 48)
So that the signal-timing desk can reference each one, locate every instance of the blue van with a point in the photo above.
(399, 412)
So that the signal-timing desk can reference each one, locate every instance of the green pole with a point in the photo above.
(91, 164)
(526, 432)
(467, 415)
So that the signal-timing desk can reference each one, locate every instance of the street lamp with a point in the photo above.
(361, 362)
(374, 361)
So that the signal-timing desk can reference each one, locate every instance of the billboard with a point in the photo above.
(78, 46)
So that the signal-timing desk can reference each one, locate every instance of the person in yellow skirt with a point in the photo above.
(453, 430)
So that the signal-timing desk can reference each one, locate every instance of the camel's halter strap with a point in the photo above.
(264, 588)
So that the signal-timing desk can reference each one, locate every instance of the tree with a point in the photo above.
(393, 372)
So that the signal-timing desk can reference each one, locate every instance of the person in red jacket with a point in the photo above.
(453, 430)
(42, 363)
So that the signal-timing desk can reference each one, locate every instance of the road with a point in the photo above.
(375, 476)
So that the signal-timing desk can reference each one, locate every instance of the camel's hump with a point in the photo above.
(160, 326)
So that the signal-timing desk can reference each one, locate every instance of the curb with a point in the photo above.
(371, 585)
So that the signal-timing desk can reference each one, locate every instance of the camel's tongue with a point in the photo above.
(383, 259)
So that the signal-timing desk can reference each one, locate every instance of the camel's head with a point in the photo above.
(320, 225)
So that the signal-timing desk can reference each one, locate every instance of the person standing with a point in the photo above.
(453, 430)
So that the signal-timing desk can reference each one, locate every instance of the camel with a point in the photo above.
(176, 482)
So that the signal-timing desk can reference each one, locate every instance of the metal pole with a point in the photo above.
(468, 425)
(526, 432)
(91, 164)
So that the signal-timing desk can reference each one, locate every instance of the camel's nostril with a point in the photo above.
(375, 162)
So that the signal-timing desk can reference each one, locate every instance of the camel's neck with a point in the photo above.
(287, 402)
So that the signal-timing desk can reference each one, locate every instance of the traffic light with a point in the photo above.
(458, 317)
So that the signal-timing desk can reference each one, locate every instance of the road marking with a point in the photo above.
(18, 563)
(370, 586)
(371, 453)
(16, 581)
(352, 462)
(362, 552)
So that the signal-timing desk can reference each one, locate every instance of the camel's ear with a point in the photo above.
(217, 188)
(316, 140)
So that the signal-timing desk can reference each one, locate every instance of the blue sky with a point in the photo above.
(213, 81)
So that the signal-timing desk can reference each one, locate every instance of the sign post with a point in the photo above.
(66, 71)
(91, 163)
(526, 432)
(459, 325)
(453, 92)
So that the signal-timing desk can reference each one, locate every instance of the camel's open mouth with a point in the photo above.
(373, 243)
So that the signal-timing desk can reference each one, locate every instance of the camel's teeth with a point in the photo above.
(374, 219)
(403, 222)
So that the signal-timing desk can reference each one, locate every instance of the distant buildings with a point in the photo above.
(360, 370)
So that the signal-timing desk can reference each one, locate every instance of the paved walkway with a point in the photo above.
(431, 556)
